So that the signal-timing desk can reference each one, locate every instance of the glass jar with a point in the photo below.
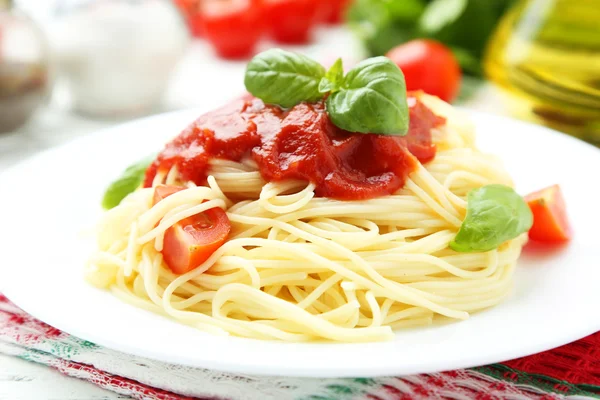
(546, 54)
(115, 57)
(24, 68)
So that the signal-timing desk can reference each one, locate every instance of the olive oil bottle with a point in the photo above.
(547, 53)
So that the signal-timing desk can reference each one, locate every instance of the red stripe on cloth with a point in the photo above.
(35, 329)
(577, 363)
(464, 384)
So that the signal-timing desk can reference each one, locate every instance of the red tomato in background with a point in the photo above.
(191, 12)
(233, 27)
(291, 21)
(191, 241)
(550, 223)
(196, 23)
(429, 66)
(333, 11)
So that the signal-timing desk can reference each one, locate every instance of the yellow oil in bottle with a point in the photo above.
(547, 53)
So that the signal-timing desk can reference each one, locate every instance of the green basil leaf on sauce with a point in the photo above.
(284, 78)
(334, 79)
(130, 180)
(495, 214)
(372, 99)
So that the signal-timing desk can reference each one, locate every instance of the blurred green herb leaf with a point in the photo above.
(383, 24)
(387, 37)
(441, 13)
(405, 10)
(469, 63)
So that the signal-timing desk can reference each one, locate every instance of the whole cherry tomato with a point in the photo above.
(334, 10)
(429, 66)
(233, 27)
(291, 21)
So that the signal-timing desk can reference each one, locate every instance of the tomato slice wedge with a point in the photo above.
(550, 221)
(163, 191)
(191, 241)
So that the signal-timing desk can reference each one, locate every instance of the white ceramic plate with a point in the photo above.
(48, 201)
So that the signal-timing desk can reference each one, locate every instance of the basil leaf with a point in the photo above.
(284, 78)
(372, 100)
(495, 214)
(129, 181)
(334, 78)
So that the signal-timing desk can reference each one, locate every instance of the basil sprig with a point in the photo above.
(495, 214)
(333, 79)
(127, 183)
(371, 98)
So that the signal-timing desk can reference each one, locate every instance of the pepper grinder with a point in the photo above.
(24, 67)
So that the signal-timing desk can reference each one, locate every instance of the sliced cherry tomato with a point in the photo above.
(550, 222)
(161, 192)
(429, 66)
(291, 21)
(233, 27)
(191, 241)
(334, 10)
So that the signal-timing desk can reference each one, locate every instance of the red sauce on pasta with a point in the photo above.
(301, 143)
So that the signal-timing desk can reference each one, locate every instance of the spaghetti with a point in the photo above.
(298, 267)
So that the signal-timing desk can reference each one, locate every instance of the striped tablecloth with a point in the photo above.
(569, 371)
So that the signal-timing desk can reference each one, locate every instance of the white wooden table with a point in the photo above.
(54, 125)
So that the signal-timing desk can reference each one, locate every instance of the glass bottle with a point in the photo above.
(546, 53)
(24, 67)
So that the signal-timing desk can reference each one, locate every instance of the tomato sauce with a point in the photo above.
(302, 143)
